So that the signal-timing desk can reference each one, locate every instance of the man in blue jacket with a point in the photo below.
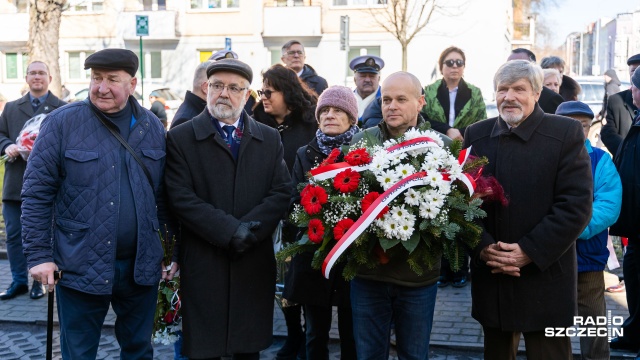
(591, 246)
(80, 215)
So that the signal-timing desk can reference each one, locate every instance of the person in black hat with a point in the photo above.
(591, 247)
(626, 161)
(620, 113)
(229, 187)
(80, 215)
(366, 76)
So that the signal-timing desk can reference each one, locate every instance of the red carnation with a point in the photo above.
(332, 158)
(341, 228)
(358, 157)
(368, 199)
(313, 197)
(316, 231)
(169, 317)
(346, 181)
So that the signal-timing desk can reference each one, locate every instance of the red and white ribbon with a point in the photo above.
(417, 179)
(330, 171)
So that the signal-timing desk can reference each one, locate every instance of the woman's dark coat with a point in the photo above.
(296, 131)
(620, 113)
(304, 284)
(227, 298)
(545, 170)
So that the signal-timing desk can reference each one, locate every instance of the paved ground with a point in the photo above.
(455, 334)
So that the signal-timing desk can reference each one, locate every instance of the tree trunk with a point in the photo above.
(44, 33)
(404, 57)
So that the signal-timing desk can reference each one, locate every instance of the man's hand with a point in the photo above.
(12, 151)
(244, 239)
(44, 274)
(454, 134)
(505, 258)
(168, 272)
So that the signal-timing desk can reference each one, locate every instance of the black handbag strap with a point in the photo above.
(124, 143)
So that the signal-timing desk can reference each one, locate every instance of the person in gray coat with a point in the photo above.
(39, 100)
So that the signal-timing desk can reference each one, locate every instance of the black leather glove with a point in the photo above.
(243, 239)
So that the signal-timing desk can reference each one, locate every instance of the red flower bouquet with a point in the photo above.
(26, 138)
(167, 319)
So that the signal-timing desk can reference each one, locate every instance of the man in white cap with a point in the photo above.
(366, 76)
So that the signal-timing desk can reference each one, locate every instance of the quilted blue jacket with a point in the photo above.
(71, 192)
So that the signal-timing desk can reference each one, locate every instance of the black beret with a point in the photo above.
(113, 59)
(231, 65)
(635, 59)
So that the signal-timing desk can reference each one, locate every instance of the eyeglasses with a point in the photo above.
(458, 62)
(34, 73)
(267, 93)
(295, 52)
(218, 88)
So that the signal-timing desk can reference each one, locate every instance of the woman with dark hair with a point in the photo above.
(570, 89)
(451, 100)
(337, 115)
(458, 104)
(287, 104)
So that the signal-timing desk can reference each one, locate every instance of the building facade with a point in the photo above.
(183, 33)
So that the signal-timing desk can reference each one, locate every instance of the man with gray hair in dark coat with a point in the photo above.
(527, 250)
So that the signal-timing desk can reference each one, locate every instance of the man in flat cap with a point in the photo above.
(92, 209)
(366, 76)
(628, 226)
(39, 100)
(223, 54)
(229, 187)
(620, 113)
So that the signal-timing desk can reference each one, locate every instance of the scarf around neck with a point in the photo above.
(327, 143)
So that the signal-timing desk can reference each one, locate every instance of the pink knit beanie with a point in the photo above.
(340, 97)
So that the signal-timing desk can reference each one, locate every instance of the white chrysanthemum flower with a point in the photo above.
(378, 164)
(437, 199)
(455, 173)
(412, 197)
(434, 159)
(399, 213)
(428, 211)
(435, 179)
(396, 158)
(404, 170)
(387, 178)
(412, 134)
(434, 135)
(404, 229)
(390, 228)
(429, 167)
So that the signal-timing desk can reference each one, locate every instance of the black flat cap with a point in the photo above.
(635, 59)
(231, 65)
(113, 59)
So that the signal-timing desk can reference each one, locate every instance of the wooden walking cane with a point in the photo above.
(56, 276)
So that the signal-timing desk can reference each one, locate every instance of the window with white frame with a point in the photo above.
(152, 65)
(214, 4)
(15, 65)
(86, 5)
(358, 2)
(154, 5)
(75, 63)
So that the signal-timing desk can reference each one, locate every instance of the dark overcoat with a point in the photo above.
(545, 170)
(14, 116)
(620, 113)
(227, 299)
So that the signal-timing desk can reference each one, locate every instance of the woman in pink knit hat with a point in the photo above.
(337, 115)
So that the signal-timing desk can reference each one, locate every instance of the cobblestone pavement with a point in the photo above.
(453, 330)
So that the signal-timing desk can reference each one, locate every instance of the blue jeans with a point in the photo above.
(17, 262)
(375, 304)
(81, 317)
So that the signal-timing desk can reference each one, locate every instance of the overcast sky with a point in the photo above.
(575, 15)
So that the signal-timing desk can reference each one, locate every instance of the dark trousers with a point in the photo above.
(249, 356)
(503, 345)
(11, 212)
(591, 304)
(81, 317)
(631, 271)
(318, 323)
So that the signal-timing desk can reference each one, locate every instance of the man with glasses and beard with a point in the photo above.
(293, 57)
(229, 187)
(524, 268)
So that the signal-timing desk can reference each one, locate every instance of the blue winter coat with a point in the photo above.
(71, 192)
(591, 246)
